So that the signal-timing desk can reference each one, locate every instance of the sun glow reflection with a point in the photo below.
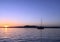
(5, 28)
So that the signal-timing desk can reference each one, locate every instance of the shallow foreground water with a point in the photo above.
(29, 35)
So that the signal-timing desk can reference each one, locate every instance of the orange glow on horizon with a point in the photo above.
(10, 23)
(6, 26)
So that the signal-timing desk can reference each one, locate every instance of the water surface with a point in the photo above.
(29, 35)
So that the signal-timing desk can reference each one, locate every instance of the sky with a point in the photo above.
(29, 12)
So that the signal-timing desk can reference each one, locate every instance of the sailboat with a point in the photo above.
(41, 27)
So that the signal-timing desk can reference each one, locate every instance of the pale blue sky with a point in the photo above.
(31, 11)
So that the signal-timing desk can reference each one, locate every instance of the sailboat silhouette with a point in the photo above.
(41, 27)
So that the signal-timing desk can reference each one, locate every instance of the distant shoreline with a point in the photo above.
(28, 27)
(32, 26)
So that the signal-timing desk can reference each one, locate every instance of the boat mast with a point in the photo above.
(41, 21)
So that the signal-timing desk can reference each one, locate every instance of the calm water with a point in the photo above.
(29, 35)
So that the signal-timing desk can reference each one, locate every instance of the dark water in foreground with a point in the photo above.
(29, 35)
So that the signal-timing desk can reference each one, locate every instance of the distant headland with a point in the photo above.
(32, 26)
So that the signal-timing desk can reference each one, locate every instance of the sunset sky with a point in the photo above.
(29, 12)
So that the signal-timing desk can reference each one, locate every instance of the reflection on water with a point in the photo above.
(29, 35)
(6, 29)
